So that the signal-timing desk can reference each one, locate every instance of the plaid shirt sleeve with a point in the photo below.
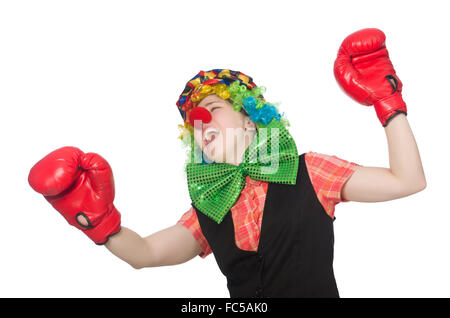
(328, 175)
(190, 221)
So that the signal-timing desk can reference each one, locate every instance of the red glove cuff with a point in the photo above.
(109, 225)
(389, 107)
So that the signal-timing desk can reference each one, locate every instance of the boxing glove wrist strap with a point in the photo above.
(387, 108)
(109, 225)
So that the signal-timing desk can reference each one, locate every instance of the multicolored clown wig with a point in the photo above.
(232, 86)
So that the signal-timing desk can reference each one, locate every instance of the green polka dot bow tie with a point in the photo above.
(272, 157)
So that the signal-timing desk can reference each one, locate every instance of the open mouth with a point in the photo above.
(209, 136)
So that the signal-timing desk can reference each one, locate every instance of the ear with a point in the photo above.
(249, 125)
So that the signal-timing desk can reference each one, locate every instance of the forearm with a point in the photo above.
(404, 157)
(129, 247)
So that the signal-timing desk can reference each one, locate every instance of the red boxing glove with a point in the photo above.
(364, 71)
(79, 184)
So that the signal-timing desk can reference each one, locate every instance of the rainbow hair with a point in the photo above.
(259, 111)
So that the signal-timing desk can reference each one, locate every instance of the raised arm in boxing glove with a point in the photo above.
(81, 187)
(365, 72)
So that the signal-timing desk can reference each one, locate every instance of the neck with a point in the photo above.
(240, 151)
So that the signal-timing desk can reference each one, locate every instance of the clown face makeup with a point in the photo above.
(225, 137)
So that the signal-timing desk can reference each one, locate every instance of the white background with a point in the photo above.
(105, 75)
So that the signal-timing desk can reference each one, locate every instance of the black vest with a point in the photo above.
(295, 251)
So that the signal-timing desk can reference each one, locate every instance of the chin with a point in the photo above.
(214, 156)
(218, 152)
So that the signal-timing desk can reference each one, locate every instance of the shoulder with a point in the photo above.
(190, 221)
(324, 161)
(328, 174)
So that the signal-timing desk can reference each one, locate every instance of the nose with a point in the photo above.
(199, 115)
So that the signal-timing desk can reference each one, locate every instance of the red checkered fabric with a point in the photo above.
(328, 175)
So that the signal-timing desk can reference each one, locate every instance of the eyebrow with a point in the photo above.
(210, 103)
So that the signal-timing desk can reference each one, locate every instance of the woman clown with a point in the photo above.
(261, 208)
